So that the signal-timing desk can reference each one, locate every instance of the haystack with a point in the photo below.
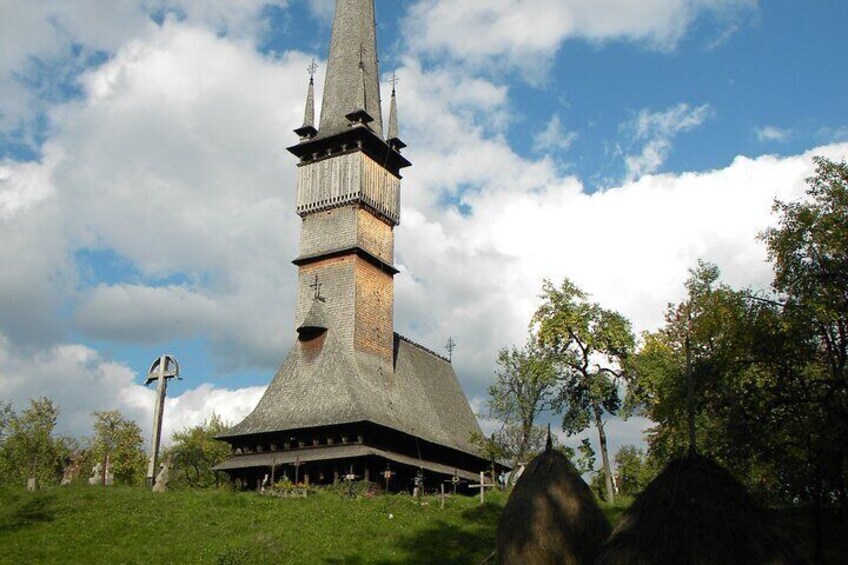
(551, 516)
(696, 513)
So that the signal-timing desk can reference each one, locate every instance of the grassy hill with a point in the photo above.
(82, 524)
(122, 525)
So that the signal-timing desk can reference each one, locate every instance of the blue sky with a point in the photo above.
(146, 200)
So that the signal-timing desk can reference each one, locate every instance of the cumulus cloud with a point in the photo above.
(655, 132)
(172, 161)
(482, 226)
(772, 133)
(46, 44)
(512, 32)
(80, 381)
(554, 137)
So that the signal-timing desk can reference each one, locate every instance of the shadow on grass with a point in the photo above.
(442, 542)
(27, 510)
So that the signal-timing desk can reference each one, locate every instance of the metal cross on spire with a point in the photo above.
(312, 69)
(316, 287)
(394, 80)
(450, 346)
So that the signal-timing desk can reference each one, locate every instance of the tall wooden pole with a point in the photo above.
(161, 388)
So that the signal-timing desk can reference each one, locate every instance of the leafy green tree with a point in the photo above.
(521, 392)
(708, 363)
(809, 252)
(119, 440)
(29, 447)
(195, 451)
(632, 470)
(6, 415)
(590, 346)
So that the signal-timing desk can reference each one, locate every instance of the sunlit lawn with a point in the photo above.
(83, 524)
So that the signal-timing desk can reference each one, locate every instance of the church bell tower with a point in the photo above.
(352, 396)
(348, 194)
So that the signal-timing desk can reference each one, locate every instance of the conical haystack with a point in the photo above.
(696, 513)
(551, 516)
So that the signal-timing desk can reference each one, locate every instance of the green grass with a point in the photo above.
(83, 524)
(121, 525)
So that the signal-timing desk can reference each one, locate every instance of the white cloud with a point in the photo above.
(554, 137)
(172, 160)
(143, 314)
(655, 131)
(516, 33)
(772, 133)
(46, 44)
(476, 276)
(323, 10)
(80, 382)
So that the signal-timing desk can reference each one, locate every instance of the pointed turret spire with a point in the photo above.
(352, 87)
(393, 137)
(307, 130)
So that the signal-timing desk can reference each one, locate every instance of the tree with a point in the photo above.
(590, 346)
(809, 252)
(632, 470)
(29, 448)
(706, 373)
(521, 392)
(196, 451)
(119, 440)
(6, 415)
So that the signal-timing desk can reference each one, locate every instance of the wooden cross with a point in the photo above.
(316, 287)
(450, 346)
(388, 474)
(482, 486)
(350, 477)
(296, 469)
(455, 480)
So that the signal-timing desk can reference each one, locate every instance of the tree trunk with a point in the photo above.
(602, 439)
(841, 488)
(818, 556)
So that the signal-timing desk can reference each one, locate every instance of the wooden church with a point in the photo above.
(353, 397)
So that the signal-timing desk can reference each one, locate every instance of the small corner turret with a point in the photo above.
(393, 137)
(307, 130)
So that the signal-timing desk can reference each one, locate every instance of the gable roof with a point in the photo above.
(322, 383)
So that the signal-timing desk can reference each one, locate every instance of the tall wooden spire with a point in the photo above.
(352, 85)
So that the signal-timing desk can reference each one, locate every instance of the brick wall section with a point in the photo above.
(338, 287)
(359, 301)
(328, 230)
(345, 227)
(374, 311)
(375, 236)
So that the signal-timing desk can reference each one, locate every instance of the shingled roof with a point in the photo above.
(353, 77)
(338, 385)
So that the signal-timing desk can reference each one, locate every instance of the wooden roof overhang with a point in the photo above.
(325, 453)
